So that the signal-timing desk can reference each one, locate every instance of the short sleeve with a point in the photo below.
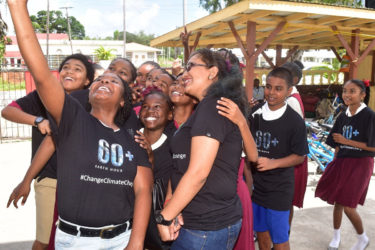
(371, 131)
(32, 104)
(141, 156)
(71, 114)
(208, 122)
(299, 138)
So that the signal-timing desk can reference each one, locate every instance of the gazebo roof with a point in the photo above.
(308, 25)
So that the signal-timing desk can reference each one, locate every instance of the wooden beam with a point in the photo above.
(250, 61)
(267, 41)
(353, 67)
(289, 55)
(269, 61)
(366, 52)
(336, 54)
(195, 42)
(297, 16)
(238, 39)
(344, 43)
(279, 49)
(373, 68)
(330, 19)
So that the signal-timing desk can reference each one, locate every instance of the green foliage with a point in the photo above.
(58, 24)
(139, 37)
(104, 54)
(213, 6)
(3, 39)
(7, 86)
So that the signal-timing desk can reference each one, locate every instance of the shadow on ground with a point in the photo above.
(23, 245)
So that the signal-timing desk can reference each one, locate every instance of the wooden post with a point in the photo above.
(373, 68)
(250, 61)
(279, 49)
(353, 67)
(336, 54)
(289, 55)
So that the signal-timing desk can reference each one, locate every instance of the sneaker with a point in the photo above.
(361, 244)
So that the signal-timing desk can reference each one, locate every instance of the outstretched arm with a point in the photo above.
(49, 88)
(44, 153)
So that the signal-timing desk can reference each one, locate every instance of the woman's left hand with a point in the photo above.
(171, 232)
(230, 110)
(339, 138)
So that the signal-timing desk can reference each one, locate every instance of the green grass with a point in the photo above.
(7, 86)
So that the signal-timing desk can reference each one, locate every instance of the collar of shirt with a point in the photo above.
(347, 112)
(270, 115)
(159, 142)
(105, 125)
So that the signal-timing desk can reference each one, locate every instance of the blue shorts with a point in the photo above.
(273, 221)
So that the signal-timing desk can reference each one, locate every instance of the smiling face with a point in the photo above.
(177, 93)
(142, 74)
(199, 76)
(107, 89)
(152, 77)
(276, 92)
(73, 75)
(122, 68)
(155, 112)
(352, 94)
(163, 82)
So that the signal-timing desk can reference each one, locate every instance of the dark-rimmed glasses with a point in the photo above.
(190, 65)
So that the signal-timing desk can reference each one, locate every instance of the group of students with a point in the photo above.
(140, 158)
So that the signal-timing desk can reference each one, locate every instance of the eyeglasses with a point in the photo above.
(190, 65)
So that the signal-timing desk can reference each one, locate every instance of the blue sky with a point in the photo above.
(101, 18)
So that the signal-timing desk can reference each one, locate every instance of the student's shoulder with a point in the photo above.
(292, 116)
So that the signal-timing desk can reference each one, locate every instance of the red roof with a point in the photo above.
(15, 54)
(43, 36)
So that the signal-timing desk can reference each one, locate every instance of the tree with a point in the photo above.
(213, 6)
(3, 33)
(139, 37)
(58, 24)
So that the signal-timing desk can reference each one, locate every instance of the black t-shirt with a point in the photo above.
(132, 123)
(360, 127)
(216, 205)
(32, 105)
(277, 139)
(96, 169)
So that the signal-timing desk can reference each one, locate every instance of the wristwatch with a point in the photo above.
(160, 220)
(38, 120)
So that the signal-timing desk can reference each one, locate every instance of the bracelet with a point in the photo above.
(165, 202)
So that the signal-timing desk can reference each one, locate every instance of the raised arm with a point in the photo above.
(49, 89)
(42, 155)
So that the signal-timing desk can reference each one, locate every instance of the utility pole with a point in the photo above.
(124, 24)
(184, 2)
(67, 18)
(47, 25)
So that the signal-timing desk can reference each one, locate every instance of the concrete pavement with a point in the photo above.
(311, 229)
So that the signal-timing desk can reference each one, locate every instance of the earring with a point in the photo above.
(210, 77)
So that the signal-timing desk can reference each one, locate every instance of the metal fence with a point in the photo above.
(12, 87)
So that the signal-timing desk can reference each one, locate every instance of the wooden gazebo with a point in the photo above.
(256, 25)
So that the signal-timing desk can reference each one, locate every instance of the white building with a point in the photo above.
(60, 47)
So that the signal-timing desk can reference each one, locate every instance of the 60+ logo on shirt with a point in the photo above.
(113, 152)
